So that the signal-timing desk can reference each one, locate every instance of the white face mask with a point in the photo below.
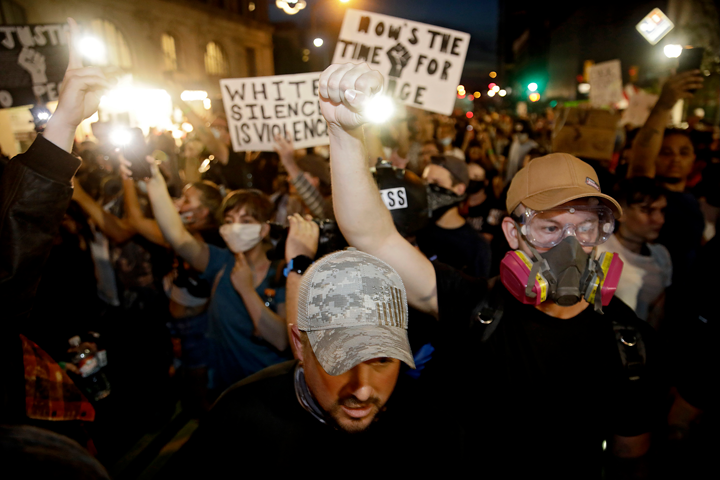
(241, 237)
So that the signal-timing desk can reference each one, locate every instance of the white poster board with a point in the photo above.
(422, 64)
(639, 107)
(259, 108)
(605, 84)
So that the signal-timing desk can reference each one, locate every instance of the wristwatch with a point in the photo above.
(298, 265)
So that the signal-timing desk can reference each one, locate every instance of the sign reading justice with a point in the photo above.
(259, 108)
(421, 63)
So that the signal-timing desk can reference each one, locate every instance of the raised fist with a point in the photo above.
(34, 63)
(399, 57)
(344, 91)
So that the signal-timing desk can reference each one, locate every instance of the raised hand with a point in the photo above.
(284, 149)
(302, 238)
(344, 90)
(79, 96)
(679, 86)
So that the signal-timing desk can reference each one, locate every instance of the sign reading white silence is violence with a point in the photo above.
(259, 108)
(421, 63)
(33, 59)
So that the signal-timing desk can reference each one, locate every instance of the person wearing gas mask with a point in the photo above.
(542, 379)
(450, 239)
(246, 325)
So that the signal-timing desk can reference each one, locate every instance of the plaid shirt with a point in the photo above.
(49, 392)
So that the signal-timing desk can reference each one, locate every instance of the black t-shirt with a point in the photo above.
(682, 232)
(542, 392)
(259, 429)
(462, 248)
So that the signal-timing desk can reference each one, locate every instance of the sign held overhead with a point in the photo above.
(422, 64)
(605, 84)
(259, 108)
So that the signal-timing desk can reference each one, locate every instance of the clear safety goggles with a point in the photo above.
(591, 225)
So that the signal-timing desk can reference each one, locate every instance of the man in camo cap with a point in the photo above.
(351, 336)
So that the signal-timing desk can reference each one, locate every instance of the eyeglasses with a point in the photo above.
(590, 225)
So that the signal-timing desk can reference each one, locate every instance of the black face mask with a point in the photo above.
(440, 200)
(474, 186)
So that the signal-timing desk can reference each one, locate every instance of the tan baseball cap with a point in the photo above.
(554, 179)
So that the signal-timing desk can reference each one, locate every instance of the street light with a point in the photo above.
(533, 87)
(673, 51)
(291, 7)
(318, 42)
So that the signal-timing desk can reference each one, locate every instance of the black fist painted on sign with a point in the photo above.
(399, 57)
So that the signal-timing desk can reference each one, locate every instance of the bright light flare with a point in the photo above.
(461, 88)
(205, 166)
(92, 49)
(187, 127)
(534, 97)
(469, 114)
(178, 133)
(43, 116)
(491, 93)
(291, 7)
(493, 74)
(476, 94)
(672, 51)
(584, 88)
(491, 86)
(190, 95)
(533, 87)
(207, 104)
(120, 137)
(495, 89)
(379, 109)
(502, 93)
(318, 42)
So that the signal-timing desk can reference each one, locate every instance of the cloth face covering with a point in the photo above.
(241, 237)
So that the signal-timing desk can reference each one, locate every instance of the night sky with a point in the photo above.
(479, 18)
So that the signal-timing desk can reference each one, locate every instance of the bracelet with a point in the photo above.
(298, 265)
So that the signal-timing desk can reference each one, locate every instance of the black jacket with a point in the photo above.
(35, 193)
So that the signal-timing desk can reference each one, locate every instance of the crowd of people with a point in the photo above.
(478, 332)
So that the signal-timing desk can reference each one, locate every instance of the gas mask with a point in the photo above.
(564, 274)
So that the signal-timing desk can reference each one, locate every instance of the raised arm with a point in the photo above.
(309, 194)
(648, 141)
(117, 229)
(195, 252)
(147, 227)
(363, 219)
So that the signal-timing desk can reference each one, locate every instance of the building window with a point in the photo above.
(251, 62)
(170, 63)
(215, 60)
(117, 52)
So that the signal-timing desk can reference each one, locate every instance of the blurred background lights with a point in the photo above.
(533, 87)
(190, 95)
(187, 127)
(379, 109)
(502, 93)
(207, 104)
(469, 114)
(491, 93)
(493, 74)
(120, 137)
(534, 97)
(673, 51)
(495, 89)
(318, 42)
(584, 87)
(476, 94)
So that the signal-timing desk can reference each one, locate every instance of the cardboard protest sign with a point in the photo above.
(421, 63)
(605, 84)
(259, 108)
(586, 133)
(33, 60)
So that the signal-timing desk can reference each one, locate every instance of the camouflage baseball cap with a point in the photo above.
(353, 308)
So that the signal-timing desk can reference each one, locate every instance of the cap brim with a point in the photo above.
(552, 198)
(340, 349)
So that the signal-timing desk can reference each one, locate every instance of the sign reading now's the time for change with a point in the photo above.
(259, 108)
(421, 63)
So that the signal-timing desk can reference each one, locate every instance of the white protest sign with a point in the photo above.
(605, 84)
(421, 63)
(639, 108)
(259, 108)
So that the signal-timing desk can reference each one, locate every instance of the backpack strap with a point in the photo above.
(488, 312)
(632, 349)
